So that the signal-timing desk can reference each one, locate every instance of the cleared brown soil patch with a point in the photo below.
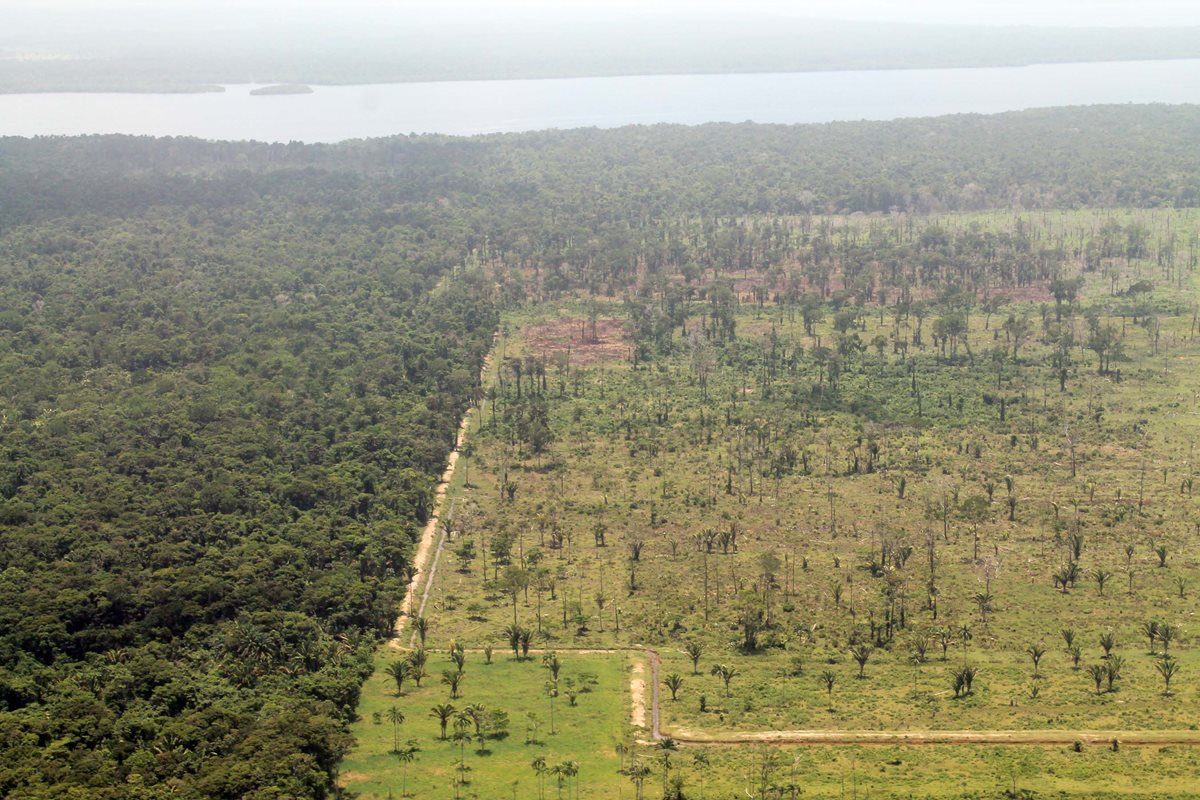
(572, 337)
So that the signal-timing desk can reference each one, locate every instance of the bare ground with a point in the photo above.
(637, 693)
(572, 338)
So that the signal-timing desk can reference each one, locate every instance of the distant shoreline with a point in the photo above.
(290, 88)
(282, 88)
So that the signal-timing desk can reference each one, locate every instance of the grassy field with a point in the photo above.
(586, 733)
(785, 493)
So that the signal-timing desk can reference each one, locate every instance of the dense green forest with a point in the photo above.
(233, 371)
(219, 430)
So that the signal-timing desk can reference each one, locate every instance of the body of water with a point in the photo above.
(334, 113)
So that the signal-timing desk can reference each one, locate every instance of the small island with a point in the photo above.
(283, 88)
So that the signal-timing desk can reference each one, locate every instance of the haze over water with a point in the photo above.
(335, 113)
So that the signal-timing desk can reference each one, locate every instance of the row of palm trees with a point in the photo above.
(1105, 673)
(563, 773)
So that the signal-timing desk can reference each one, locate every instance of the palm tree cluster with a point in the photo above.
(963, 680)
(411, 667)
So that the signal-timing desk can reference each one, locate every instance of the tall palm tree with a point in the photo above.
(694, 651)
(551, 693)
(664, 759)
(406, 755)
(700, 760)
(945, 637)
(396, 717)
(539, 766)
(571, 770)
(462, 732)
(559, 777)
(551, 662)
(638, 772)
(964, 633)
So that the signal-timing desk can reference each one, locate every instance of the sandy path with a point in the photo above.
(637, 692)
(993, 737)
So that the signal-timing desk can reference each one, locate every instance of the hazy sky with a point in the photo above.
(992, 12)
(995, 12)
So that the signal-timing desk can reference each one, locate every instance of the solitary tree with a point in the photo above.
(984, 601)
(726, 673)
(406, 755)
(399, 670)
(1107, 641)
(1167, 667)
(945, 637)
(860, 653)
(454, 681)
(694, 651)
(443, 712)
(829, 678)
(1036, 651)
(673, 682)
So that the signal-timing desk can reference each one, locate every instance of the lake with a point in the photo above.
(334, 113)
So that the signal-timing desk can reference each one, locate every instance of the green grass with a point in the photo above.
(586, 733)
